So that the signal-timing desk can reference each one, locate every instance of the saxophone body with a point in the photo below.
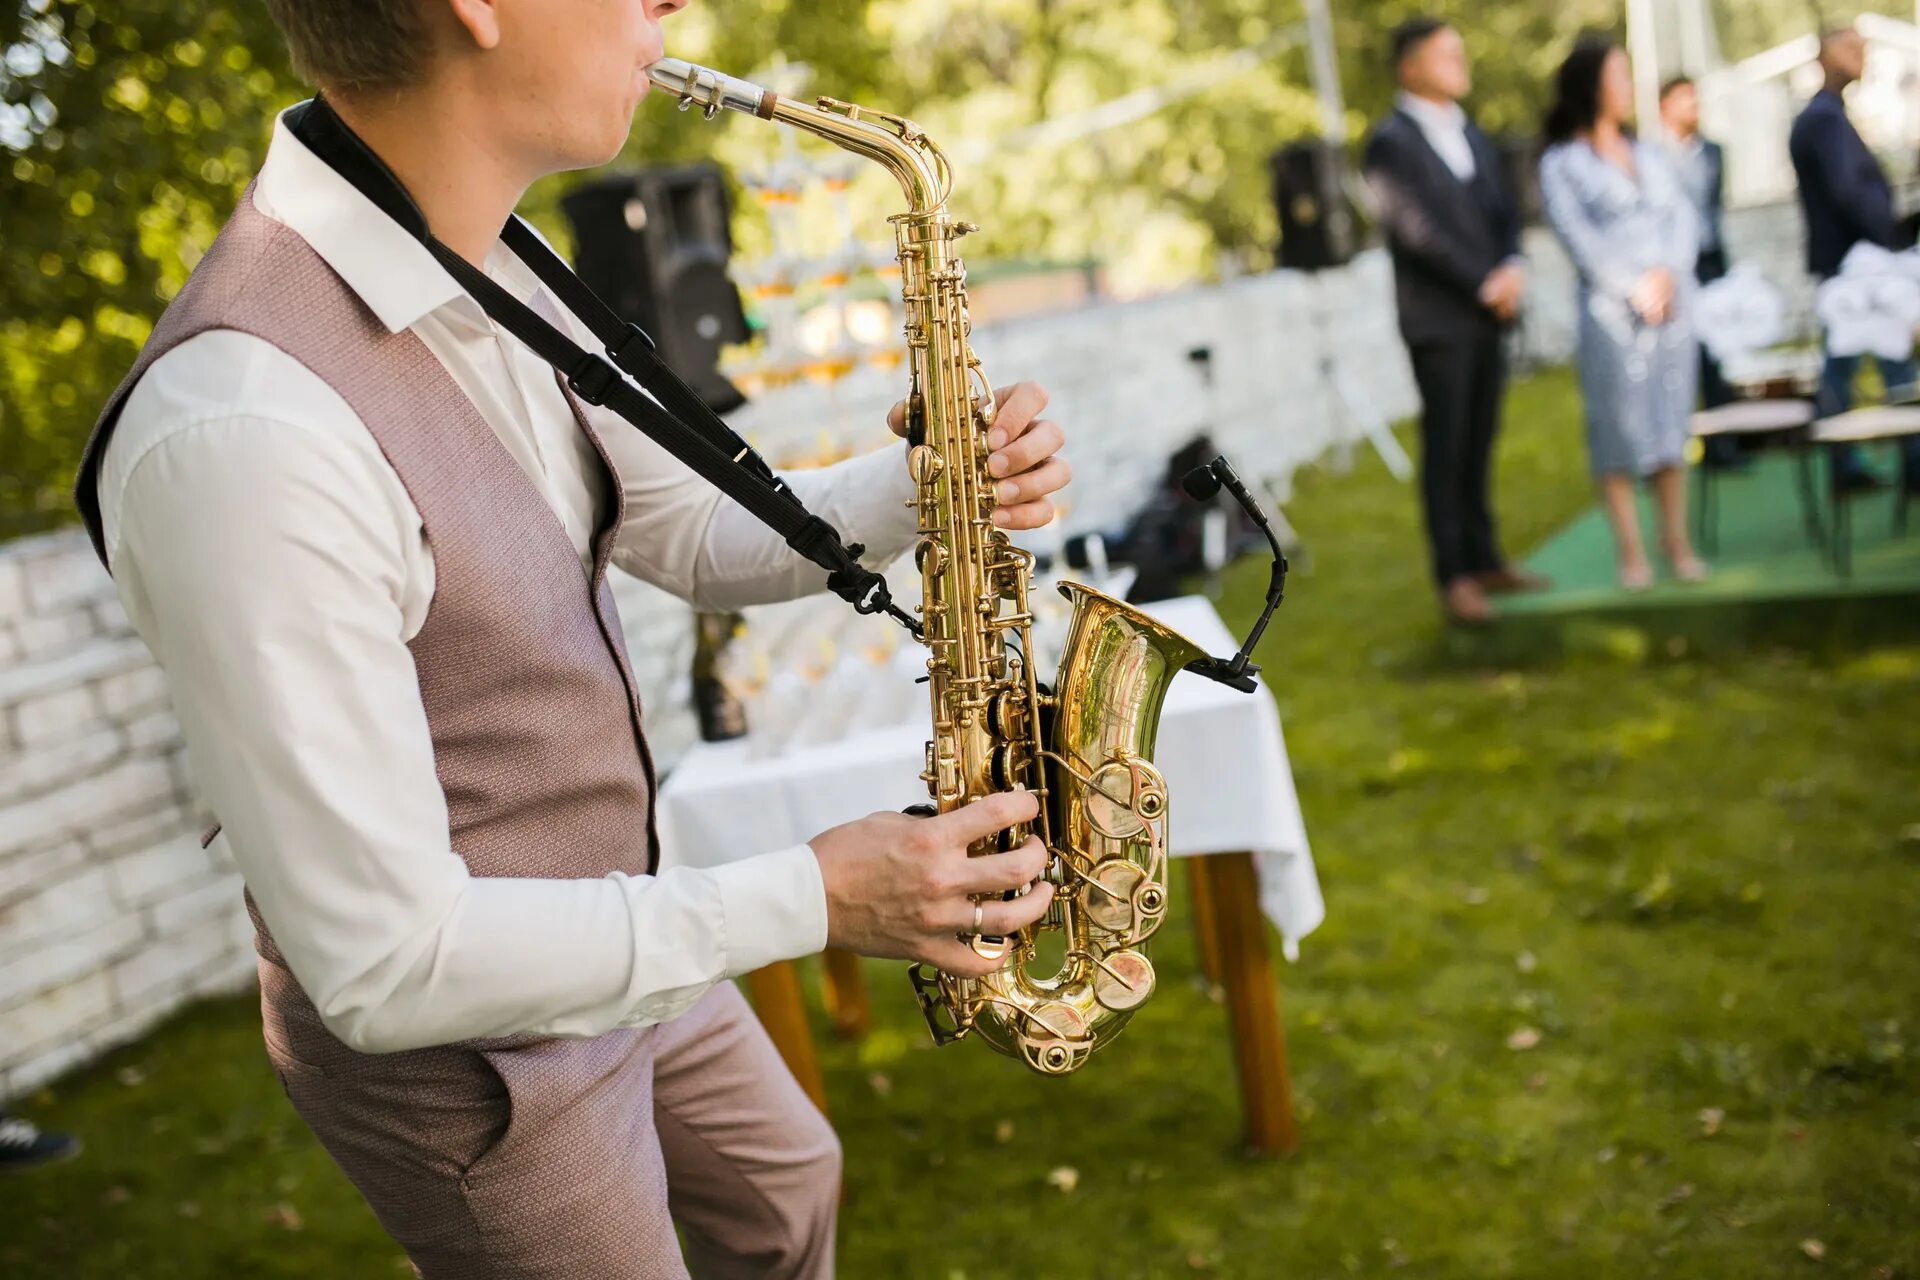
(1069, 982)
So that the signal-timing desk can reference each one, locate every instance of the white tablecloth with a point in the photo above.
(1221, 751)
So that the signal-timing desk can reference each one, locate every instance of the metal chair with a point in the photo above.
(1784, 419)
(1864, 426)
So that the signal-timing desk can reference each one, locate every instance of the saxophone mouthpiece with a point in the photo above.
(711, 90)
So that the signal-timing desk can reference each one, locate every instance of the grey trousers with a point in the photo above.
(576, 1158)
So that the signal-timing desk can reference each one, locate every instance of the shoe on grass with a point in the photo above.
(1511, 578)
(24, 1145)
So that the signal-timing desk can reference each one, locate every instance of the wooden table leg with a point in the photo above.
(1206, 927)
(1253, 1002)
(846, 989)
(783, 1012)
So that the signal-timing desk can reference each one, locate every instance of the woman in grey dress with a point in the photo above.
(1624, 217)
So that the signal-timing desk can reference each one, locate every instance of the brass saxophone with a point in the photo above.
(1070, 981)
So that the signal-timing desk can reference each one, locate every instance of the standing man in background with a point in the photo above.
(1454, 232)
(1847, 200)
(1703, 171)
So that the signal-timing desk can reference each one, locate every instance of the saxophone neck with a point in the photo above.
(897, 144)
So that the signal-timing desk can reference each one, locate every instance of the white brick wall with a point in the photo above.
(112, 915)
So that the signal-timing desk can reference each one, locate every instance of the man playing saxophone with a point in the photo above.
(367, 533)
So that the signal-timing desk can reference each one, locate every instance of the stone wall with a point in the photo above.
(110, 912)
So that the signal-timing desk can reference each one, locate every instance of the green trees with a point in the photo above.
(128, 128)
(127, 131)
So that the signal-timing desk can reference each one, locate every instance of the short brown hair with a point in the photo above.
(348, 45)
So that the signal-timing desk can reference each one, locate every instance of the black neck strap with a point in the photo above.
(674, 416)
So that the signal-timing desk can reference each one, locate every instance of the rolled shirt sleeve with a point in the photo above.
(267, 563)
(684, 536)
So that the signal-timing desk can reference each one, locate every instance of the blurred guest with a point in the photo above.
(24, 1145)
(1624, 216)
(1846, 200)
(1454, 233)
(1702, 169)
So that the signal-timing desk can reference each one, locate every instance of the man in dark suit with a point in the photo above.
(1846, 200)
(1702, 169)
(1454, 232)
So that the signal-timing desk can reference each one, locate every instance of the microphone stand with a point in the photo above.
(1202, 483)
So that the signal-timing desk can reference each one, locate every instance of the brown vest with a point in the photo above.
(534, 714)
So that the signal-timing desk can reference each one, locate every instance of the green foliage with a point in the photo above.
(1617, 980)
(135, 125)
(128, 129)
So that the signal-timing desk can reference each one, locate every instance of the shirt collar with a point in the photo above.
(388, 269)
(1433, 115)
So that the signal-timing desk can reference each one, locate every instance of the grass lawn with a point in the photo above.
(1621, 977)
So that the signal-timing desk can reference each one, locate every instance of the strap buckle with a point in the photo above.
(623, 350)
(592, 378)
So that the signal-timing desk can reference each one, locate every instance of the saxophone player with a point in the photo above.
(366, 532)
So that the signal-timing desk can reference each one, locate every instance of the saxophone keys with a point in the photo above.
(925, 464)
(1113, 889)
(1058, 1041)
(1123, 980)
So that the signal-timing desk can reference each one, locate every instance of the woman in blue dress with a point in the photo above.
(1620, 210)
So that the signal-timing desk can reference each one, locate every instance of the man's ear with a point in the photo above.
(480, 19)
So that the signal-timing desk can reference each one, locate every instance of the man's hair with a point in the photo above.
(1411, 34)
(349, 45)
(1674, 85)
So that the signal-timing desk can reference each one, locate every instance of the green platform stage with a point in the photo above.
(1765, 567)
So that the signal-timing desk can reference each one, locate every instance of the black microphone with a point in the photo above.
(1202, 484)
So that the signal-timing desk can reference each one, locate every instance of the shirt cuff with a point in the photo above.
(775, 907)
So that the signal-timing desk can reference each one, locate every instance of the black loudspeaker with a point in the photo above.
(1316, 224)
(654, 244)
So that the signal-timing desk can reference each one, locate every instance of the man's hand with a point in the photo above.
(1501, 291)
(1025, 461)
(904, 888)
(1652, 296)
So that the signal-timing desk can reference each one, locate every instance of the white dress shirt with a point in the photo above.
(271, 558)
(1444, 126)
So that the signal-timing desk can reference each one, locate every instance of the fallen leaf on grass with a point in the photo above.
(131, 1077)
(881, 1082)
(1523, 1039)
(1066, 1177)
(188, 1209)
(1910, 834)
(1003, 1132)
(116, 1195)
(286, 1216)
(1710, 1121)
(1682, 1192)
(1525, 962)
(1813, 1248)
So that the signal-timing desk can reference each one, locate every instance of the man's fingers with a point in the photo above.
(1028, 515)
(981, 818)
(1038, 443)
(1050, 476)
(1017, 407)
(956, 957)
(999, 872)
(998, 919)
